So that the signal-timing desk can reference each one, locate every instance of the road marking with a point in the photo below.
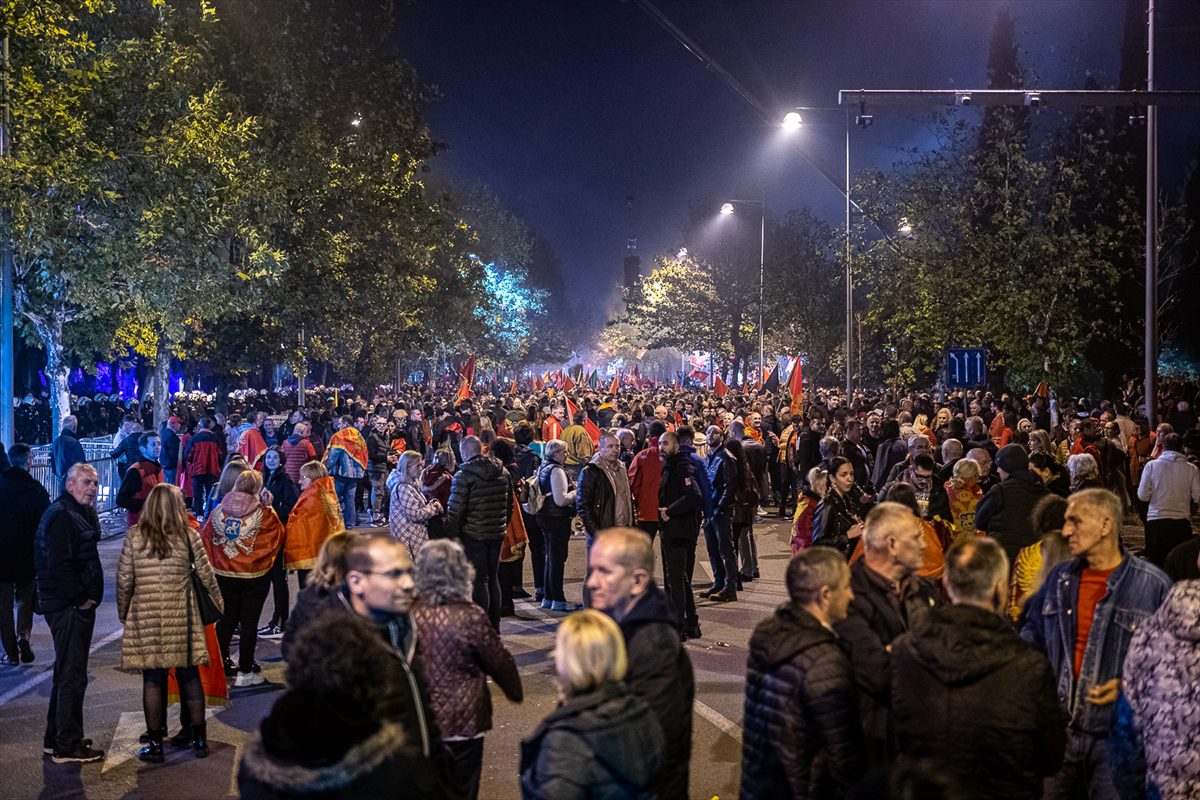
(42, 677)
(723, 723)
(131, 724)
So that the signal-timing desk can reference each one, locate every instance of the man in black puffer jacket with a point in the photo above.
(969, 697)
(1005, 510)
(802, 735)
(481, 500)
(660, 672)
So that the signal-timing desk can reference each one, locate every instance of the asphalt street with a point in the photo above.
(113, 716)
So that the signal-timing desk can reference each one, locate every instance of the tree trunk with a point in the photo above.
(57, 371)
(160, 383)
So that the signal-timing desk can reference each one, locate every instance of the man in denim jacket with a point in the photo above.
(1083, 618)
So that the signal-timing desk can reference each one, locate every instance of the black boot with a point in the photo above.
(152, 753)
(200, 739)
(183, 738)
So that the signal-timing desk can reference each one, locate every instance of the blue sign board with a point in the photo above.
(966, 368)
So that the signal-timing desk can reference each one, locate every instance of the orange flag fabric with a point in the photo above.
(796, 387)
(315, 517)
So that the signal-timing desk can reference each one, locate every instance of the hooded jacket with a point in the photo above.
(802, 735)
(242, 537)
(480, 500)
(977, 703)
(660, 673)
(310, 748)
(602, 745)
(1156, 723)
(1005, 510)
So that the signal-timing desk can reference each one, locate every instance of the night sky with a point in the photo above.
(566, 107)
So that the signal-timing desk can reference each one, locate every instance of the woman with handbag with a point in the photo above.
(165, 587)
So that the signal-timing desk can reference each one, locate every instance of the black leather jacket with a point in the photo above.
(595, 502)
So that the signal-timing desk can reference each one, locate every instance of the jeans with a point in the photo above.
(712, 544)
(557, 533)
(1085, 770)
(537, 554)
(72, 632)
(20, 594)
(378, 476)
(344, 489)
(747, 549)
(485, 558)
(202, 486)
(466, 762)
(279, 592)
(244, 600)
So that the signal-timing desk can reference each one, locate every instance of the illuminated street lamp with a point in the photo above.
(905, 229)
(727, 208)
(791, 123)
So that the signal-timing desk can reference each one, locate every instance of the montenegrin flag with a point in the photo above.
(796, 387)
(720, 389)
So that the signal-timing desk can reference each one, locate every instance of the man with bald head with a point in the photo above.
(621, 584)
(889, 597)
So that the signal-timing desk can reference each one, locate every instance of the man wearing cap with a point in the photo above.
(169, 458)
(1004, 511)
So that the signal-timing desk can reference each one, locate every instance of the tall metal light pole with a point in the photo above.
(7, 276)
(1151, 348)
(849, 277)
(727, 208)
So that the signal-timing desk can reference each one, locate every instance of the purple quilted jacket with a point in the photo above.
(457, 649)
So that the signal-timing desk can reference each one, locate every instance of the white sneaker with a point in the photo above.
(249, 679)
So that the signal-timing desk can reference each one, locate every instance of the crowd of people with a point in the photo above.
(964, 611)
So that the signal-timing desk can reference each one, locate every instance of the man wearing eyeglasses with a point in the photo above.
(379, 587)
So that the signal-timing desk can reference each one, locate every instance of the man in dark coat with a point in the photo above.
(1005, 510)
(888, 598)
(67, 451)
(969, 697)
(477, 515)
(70, 584)
(660, 672)
(24, 501)
(802, 734)
(680, 506)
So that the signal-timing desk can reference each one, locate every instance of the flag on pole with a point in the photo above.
(796, 387)
(772, 381)
(592, 430)
(468, 370)
(616, 383)
(568, 384)
(720, 389)
(513, 389)
(537, 383)
(464, 390)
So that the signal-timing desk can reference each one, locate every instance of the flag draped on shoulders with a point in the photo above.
(315, 517)
(252, 446)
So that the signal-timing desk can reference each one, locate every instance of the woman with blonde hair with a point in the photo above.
(963, 493)
(316, 516)
(601, 740)
(327, 576)
(242, 537)
(410, 509)
(1035, 561)
(161, 614)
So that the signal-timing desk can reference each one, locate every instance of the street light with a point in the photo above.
(905, 229)
(863, 120)
(727, 208)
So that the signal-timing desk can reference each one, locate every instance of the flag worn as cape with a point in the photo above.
(315, 517)
(252, 446)
(350, 441)
(720, 389)
(796, 387)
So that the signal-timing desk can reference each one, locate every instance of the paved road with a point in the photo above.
(113, 711)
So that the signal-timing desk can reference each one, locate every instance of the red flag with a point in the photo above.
(468, 371)
(592, 429)
(513, 389)
(720, 389)
(464, 390)
(537, 383)
(567, 384)
(616, 382)
(796, 387)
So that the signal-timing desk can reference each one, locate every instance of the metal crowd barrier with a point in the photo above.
(96, 453)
